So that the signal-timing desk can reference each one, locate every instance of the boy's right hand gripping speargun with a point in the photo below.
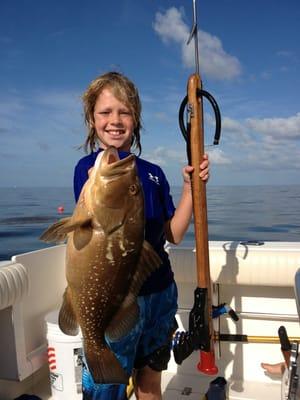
(200, 334)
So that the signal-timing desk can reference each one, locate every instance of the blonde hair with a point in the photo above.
(125, 91)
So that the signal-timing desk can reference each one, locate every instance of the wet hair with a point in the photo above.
(126, 92)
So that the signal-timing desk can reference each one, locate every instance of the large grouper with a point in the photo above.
(107, 261)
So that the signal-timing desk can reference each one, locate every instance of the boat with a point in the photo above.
(256, 279)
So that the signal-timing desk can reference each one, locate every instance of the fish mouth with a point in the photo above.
(111, 164)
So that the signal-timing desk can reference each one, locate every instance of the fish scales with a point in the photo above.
(107, 261)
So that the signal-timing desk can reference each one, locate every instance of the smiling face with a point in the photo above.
(113, 121)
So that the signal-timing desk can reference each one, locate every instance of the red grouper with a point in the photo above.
(107, 261)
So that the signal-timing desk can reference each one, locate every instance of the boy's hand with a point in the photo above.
(204, 170)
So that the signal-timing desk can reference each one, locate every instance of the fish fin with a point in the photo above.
(104, 365)
(128, 313)
(149, 261)
(124, 320)
(67, 320)
(58, 231)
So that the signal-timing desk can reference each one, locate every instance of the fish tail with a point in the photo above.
(104, 366)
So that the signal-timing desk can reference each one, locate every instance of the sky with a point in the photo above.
(249, 56)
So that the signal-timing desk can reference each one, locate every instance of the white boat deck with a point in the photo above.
(257, 281)
(185, 383)
(182, 385)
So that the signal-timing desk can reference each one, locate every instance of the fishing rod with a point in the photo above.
(200, 334)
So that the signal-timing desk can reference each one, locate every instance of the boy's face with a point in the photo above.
(113, 122)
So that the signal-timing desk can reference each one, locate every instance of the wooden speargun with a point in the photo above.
(200, 334)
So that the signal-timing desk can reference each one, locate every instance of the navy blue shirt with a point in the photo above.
(159, 208)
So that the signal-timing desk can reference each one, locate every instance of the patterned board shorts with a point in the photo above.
(148, 343)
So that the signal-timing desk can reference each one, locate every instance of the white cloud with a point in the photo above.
(265, 144)
(252, 144)
(32, 110)
(266, 75)
(278, 128)
(232, 125)
(170, 26)
(39, 120)
(162, 156)
(60, 99)
(163, 116)
(284, 53)
(214, 61)
(235, 133)
(218, 156)
(12, 109)
(61, 109)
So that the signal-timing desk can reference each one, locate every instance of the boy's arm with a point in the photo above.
(177, 226)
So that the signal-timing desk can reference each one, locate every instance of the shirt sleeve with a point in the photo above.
(80, 177)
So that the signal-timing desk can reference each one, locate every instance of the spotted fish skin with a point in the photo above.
(107, 261)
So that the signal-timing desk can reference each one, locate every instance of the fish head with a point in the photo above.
(114, 190)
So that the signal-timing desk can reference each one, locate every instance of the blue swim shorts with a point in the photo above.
(148, 343)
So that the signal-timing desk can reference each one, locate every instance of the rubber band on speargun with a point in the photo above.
(214, 104)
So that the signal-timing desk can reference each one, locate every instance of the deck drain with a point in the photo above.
(186, 391)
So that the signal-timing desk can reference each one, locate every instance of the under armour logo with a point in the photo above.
(153, 178)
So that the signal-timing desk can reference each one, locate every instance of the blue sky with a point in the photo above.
(249, 61)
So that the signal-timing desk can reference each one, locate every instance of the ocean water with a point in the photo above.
(235, 213)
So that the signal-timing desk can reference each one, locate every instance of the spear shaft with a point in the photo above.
(200, 334)
(195, 106)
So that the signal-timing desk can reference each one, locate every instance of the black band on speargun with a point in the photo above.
(185, 129)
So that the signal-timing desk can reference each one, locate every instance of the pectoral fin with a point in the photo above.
(58, 231)
(67, 319)
(127, 315)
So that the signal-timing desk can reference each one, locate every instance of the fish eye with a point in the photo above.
(133, 189)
